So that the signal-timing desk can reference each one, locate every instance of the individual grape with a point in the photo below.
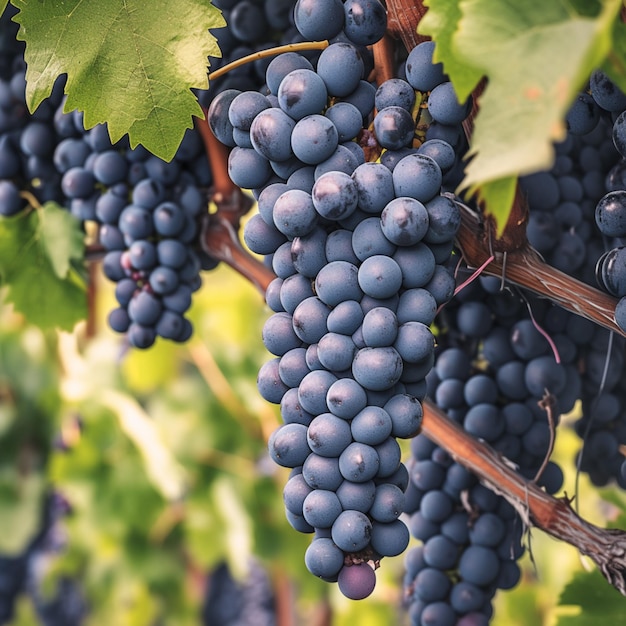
(390, 452)
(345, 318)
(395, 92)
(323, 558)
(37, 139)
(444, 106)
(441, 152)
(245, 107)
(374, 184)
(606, 93)
(247, 21)
(438, 614)
(351, 531)
(335, 195)
(359, 462)
(421, 72)
(357, 496)
(328, 435)
(309, 319)
(77, 182)
(321, 508)
(583, 115)
(294, 213)
(337, 282)
(313, 390)
(110, 167)
(10, 201)
(369, 240)
(336, 352)
(348, 58)
(379, 276)
(267, 133)
(390, 539)
(308, 253)
(317, 20)
(436, 506)
(544, 373)
(288, 445)
(394, 127)
(404, 221)
(372, 425)
(417, 176)
(247, 168)
(444, 220)
(346, 118)
(388, 503)
(314, 139)
(418, 268)
(377, 369)
(365, 21)
(466, 597)
(406, 415)
(302, 92)
(431, 584)
(610, 214)
(479, 565)
(356, 581)
(380, 327)
(345, 398)
(141, 336)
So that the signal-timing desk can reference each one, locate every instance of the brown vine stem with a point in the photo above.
(383, 59)
(217, 154)
(523, 266)
(555, 516)
(219, 240)
(403, 16)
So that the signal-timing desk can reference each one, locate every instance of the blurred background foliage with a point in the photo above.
(160, 459)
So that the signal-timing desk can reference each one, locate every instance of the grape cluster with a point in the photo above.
(13, 572)
(358, 249)
(610, 211)
(64, 605)
(232, 602)
(148, 212)
(492, 372)
(150, 242)
(575, 212)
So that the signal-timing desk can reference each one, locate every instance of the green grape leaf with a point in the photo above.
(499, 196)
(21, 500)
(535, 56)
(615, 63)
(61, 237)
(597, 602)
(440, 23)
(38, 251)
(129, 63)
(162, 468)
(3, 5)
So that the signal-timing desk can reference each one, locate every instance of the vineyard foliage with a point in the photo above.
(161, 455)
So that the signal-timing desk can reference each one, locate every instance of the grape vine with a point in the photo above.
(430, 275)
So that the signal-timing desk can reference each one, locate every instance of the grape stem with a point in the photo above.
(269, 52)
(403, 16)
(219, 240)
(523, 266)
(555, 516)
(217, 154)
